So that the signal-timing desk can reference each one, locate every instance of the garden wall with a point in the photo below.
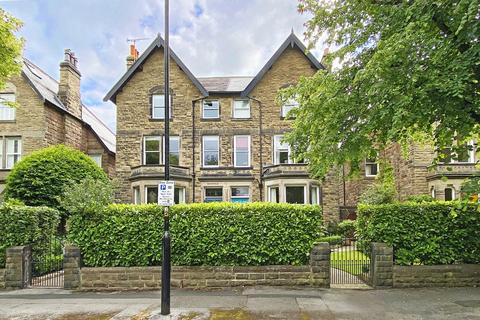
(460, 275)
(147, 278)
(2, 278)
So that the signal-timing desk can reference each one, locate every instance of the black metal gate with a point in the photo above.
(47, 264)
(349, 264)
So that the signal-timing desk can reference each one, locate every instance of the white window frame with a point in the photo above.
(97, 157)
(315, 189)
(181, 196)
(276, 158)
(162, 99)
(235, 151)
(160, 151)
(289, 105)
(12, 154)
(367, 163)
(170, 151)
(213, 187)
(248, 196)
(7, 113)
(136, 195)
(305, 201)
(269, 190)
(146, 193)
(204, 107)
(235, 109)
(203, 151)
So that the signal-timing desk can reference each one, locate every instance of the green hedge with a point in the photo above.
(22, 225)
(202, 234)
(423, 233)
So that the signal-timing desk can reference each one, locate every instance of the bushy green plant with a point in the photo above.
(346, 228)
(377, 194)
(87, 196)
(41, 177)
(423, 233)
(332, 240)
(419, 198)
(22, 225)
(202, 234)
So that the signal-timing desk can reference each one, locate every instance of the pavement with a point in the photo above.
(244, 304)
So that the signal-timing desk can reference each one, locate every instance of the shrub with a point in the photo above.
(41, 177)
(420, 198)
(378, 194)
(202, 234)
(346, 228)
(22, 225)
(423, 233)
(332, 240)
(87, 196)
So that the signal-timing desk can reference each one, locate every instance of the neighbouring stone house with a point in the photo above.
(50, 112)
(226, 137)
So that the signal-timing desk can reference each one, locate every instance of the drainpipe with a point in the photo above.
(260, 125)
(194, 175)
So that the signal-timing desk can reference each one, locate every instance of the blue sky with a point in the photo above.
(212, 37)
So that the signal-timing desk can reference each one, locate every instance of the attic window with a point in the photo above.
(158, 106)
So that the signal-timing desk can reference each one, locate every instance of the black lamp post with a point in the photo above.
(165, 308)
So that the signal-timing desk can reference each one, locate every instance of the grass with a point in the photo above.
(350, 261)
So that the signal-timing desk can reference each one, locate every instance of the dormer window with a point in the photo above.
(7, 113)
(289, 105)
(158, 106)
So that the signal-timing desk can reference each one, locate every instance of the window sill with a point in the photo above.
(210, 119)
(241, 119)
(8, 121)
(159, 120)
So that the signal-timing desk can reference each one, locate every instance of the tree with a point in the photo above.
(42, 177)
(10, 47)
(409, 69)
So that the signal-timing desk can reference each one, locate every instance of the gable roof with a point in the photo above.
(291, 41)
(157, 43)
(225, 84)
(47, 88)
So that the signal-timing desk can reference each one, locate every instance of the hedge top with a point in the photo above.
(40, 178)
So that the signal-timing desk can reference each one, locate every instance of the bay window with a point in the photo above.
(240, 194)
(295, 194)
(213, 195)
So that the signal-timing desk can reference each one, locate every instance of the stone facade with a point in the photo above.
(49, 113)
(71, 267)
(17, 266)
(381, 261)
(2, 278)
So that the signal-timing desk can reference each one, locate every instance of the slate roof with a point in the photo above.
(225, 84)
(47, 89)
(207, 85)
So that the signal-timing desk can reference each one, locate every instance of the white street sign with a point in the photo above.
(166, 193)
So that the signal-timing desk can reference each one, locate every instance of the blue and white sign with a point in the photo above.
(166, 193)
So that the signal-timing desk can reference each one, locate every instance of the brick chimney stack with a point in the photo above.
(69, 86)
(133, 56)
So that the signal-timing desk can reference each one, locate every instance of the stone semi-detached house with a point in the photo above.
(49, 112)
(226, 138)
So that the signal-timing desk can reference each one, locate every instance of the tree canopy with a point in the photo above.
(408, 69)
(10, 47)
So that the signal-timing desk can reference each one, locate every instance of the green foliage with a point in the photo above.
(22, 225)
(346, 228)
(471, 188)
(377, 194)
(332, 240)
(41, 177)
(87, 196)
(420, 198)
(423, 233)
(408, 69)
(10, 47)
(202, 234)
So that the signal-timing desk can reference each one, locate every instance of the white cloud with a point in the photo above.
(212, 37)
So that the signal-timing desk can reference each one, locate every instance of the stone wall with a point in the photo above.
(317, 274)
(2, 278)
(461, 275)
